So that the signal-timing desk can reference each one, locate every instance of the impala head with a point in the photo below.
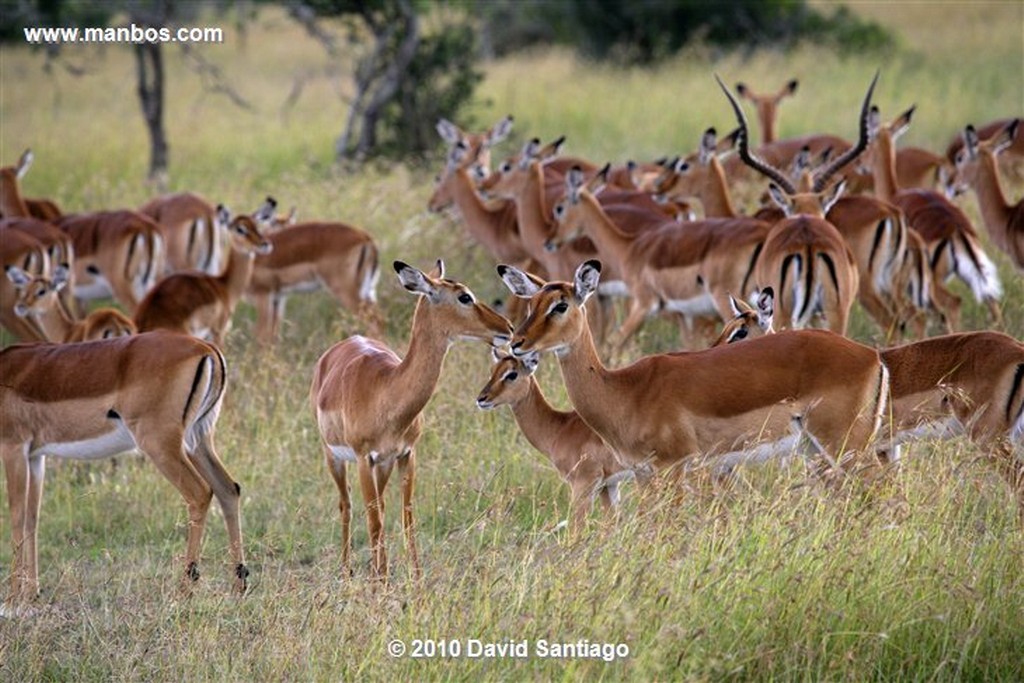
(36, 294)
(511, 175)
(11, 202)
(568, 209)
(819, 180)
(107, 323)
(477, 145)
(453, 306)
(461, 158)
(977, 155)
(749, 322)
(693, 175)
(555, 317)
(767, 106)
(510, 380)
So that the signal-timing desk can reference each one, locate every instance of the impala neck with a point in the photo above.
(419, 371)
(238, 272)
(538, 421)
(766, 114)
(607, 236)
(530, 210)
(483, 222)
(995, 209)
(11, 202)
(714, 193)
(883, 168)
(55, 324)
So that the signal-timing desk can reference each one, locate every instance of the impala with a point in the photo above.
(188, 224)
(686, 268)
(735, 401)
(1012, 159)
(952, 242)
(579, 455)
(117, 253)
(805, 258)
(368, 402)
(977, 167)
(58, 245)
(975, 376)
(196, 303)
(748, 322)
(767, 106)
(477, 145)
(26, 253)
(315, 255)
(37, 300)
(159, 393)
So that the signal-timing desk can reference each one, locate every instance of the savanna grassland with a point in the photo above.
(774, 579)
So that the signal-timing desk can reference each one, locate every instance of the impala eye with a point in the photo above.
(559, 210)
(738, 335)
(511, 376)
(560, 308)
(505, 167)
(465, 298)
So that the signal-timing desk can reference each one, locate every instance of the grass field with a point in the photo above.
(772, 580)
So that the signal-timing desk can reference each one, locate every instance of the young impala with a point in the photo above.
(368, 402)
(37, 300)
(159, 393)
(582, 459)
(735, 402)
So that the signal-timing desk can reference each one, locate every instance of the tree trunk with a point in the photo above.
(150, 70)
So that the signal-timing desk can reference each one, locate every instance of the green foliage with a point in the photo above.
(646, 31)
(16, 15)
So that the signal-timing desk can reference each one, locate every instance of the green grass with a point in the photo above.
(772, 580)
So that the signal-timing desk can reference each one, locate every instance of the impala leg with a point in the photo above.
(36, 476)
(16, 471)
(168, 456)
(637, 314)
(372, 498)
(229, 495)
(407, 470)
(947, 304)
(337, 468)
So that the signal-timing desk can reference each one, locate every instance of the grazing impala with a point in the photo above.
(582, 459)
(977, 167)
(735, 401)
(953, 245)
(188, 223)
(315, 255)
(37, 300)
(117, 253)
(159, 393)
(368, 402)
(805, 258)
(196, 303)
(976, 376)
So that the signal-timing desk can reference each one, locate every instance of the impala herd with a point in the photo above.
(849, 221)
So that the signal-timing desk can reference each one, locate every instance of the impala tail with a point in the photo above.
(145, 261)
(809, 280)
(1015, 406)
(368, 272)
(969, 262)
(203, 404)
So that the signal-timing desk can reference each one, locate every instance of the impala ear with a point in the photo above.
(765, 308)
(780, 198)
(1005, 137)
(448, 131)
(265, 213)
(60, 277)
(874, 121)
(24, 163)
(530, 362)
(902, 123)
(415, 280)
(522, 284)
(738, 308)
(585, 282)
(792, 86)
(17, 276)
(832, 196)
(708, 145)
(501, 130)
(438, 272)
(222, 216)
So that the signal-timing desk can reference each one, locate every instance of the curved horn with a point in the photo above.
(750, 159)
(821, 178)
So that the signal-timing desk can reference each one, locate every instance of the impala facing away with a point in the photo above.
(159, 393)
(196, 303)
(189, 226)
(37, 300)
(368, 402)
(579, 455)
(735, 403)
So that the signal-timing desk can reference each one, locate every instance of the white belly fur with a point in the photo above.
(114, 442)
